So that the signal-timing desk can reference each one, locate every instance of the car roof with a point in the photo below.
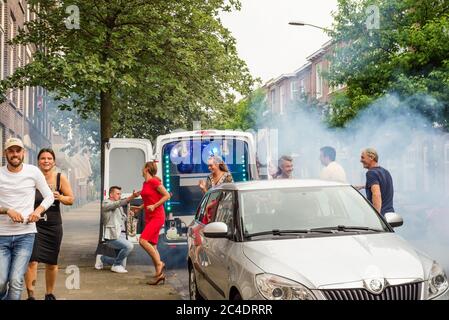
(277, 184)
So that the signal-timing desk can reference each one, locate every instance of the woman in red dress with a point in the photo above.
(154, 195)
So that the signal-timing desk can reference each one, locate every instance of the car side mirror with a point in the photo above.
(216, 230)
(394, 219)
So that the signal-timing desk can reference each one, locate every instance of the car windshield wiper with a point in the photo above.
(348, 228)
(277, 232)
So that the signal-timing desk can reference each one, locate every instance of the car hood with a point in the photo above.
(329, 260)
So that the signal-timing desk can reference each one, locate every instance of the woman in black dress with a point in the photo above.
(49, 233)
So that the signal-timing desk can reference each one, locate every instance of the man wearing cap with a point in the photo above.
(18, 184)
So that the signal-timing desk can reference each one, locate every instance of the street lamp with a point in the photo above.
(301, 23)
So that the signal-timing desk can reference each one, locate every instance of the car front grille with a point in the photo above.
(409, 291)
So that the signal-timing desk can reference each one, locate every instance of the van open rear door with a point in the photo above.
(124, 160)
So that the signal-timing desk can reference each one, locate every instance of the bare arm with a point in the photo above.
(13, 214)
(67, 197)
(165, 196)
(45, 190)
(202, 185)
(377, 197)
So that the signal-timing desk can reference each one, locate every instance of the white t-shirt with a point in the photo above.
(333, 172)
(17, 191)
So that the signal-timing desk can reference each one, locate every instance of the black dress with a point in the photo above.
(49, 233)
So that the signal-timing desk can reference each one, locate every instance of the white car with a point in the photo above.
(303, 240)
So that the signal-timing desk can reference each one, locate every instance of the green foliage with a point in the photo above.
(407, 55)
(149, 66)
(245, 114)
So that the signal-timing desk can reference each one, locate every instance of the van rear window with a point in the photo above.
(185, 163)
(125, 168)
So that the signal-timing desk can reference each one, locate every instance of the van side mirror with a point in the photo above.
(216, 230)
(394, 219)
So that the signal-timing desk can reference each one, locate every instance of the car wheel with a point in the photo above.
(193, 288)
(237, 296)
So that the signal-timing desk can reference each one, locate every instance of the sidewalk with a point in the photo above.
(79, 243)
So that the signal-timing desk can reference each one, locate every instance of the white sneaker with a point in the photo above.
(119, 269)
(98, 263)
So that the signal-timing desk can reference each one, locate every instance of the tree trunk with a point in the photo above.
(106, 133)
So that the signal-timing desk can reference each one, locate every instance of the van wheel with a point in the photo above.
(193, 288)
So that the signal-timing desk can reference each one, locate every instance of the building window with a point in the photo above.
(319, 82)
(282, 100)
(13, 55)
(273, 99)
(12, 26)
(2, 129)
(302, 87)
(294, 90)
(28, 13)
(2, 39)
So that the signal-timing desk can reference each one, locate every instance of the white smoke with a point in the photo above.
(413, 149)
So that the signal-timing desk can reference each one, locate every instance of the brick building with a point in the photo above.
(24, 113)
(307, 81)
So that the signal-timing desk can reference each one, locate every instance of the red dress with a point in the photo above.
(156, 219)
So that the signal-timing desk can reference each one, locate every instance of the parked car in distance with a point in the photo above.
(303, 240)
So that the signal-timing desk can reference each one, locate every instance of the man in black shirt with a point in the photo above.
(379, 184)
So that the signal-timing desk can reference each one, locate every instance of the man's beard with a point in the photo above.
(15, 165)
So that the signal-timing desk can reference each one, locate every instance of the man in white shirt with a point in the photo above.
(18, 184)
(332, 171)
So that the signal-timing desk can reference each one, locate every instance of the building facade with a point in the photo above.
(23, 114)
(307, 82)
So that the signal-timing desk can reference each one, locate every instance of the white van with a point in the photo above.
(182, 162)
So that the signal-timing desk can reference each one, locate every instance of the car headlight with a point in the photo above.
(274, 287)
(437, 282)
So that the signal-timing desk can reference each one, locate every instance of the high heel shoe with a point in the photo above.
(162, 270)
(156, 280)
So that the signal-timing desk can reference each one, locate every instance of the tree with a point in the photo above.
(165, 58)
(245, 114)
(407, 55)
(79, 132)
(82, 135)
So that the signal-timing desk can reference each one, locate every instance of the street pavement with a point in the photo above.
(77, 257)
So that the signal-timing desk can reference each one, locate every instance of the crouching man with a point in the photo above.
(114, 220)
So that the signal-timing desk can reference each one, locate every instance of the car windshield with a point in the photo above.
(341, 208)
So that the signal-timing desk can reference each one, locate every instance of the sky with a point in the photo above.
(265, 40)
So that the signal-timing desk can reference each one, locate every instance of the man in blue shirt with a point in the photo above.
(379, 184)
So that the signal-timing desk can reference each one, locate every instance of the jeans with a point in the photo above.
(124, 246)
(15, 253)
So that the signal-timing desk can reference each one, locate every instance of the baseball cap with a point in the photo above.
(13, 142)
